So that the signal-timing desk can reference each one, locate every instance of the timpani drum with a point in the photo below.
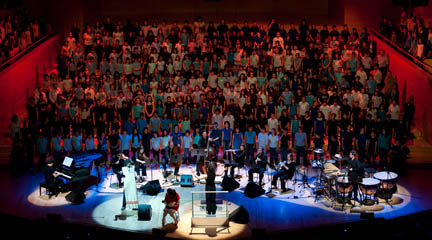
(329, 181)
(344, 185)
(387, 185)
(344, 189)
(368, 188)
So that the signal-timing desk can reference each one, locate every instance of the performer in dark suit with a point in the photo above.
(118, 162)
(203, 142)
(285, 172)
(239, 159)
(51, 177)
(259, 166)
(210, 186)
(355, 172)
(141, 164)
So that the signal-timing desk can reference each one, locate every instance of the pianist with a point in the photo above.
(51, 177)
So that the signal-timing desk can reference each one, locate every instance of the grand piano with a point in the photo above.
(77, 167)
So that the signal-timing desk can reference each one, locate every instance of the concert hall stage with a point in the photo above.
(293, 211)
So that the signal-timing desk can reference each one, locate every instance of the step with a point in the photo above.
(5, 151)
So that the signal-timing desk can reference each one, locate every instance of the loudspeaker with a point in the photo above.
(240, 215)
(53, 217)
(89, 181)
(75, 197)
(158, 232)
(152, 187)
(229, 184)
(259, 232)
(252, 190)
(367, 215)
(186, 181)
(144, 212)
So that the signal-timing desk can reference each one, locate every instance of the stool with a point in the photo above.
(49, 189)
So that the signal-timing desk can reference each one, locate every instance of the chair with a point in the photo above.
(291, 175)
(51, 189)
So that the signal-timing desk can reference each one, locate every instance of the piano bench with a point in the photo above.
(50, 189)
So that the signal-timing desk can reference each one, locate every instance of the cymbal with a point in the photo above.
(331, 161)
(318, 150)
(338, 156)
(230, 150)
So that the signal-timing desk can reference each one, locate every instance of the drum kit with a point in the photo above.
(326, 177)
(338, 187)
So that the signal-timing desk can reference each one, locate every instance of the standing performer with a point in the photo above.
(130, 195)
(203, 143)
(355, 171)
(285, 172)
(210, 186)
(176, 142)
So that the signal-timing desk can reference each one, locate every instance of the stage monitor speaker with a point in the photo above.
(239, 215)
(76, 196)
(152, 187)
(259, 232)
(158, 232)
(252, 190)
(229, 184)
(186, 180)
(367, 215)
(53, 217)
(144, 212)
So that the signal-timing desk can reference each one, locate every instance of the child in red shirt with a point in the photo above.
(172, 201)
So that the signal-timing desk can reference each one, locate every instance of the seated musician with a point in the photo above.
(141, 164)
(355, 171)
(239, 160)
(51, 177)
(118, 161)
(172, 204)
(215, 138)
(203, 142)
(259, 166)
(285, 172)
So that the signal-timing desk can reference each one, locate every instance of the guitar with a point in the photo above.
(171, 205)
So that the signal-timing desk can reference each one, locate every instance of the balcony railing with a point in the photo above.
(25, 51)
(403, 52)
